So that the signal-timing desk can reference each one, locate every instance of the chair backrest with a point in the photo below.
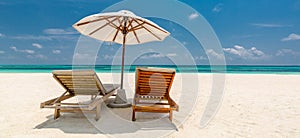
(154, 82)
(79, 82)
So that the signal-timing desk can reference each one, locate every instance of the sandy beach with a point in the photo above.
(253, 105)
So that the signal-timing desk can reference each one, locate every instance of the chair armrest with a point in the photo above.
(174, 105)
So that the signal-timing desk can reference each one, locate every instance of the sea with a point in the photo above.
(235, 69)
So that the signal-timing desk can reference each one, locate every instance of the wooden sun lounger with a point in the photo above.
(152, 91)
(79, 82)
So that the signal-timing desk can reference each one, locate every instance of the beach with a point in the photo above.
(252, 105)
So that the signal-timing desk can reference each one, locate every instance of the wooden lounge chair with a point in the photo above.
(152, 91)
(79, 82)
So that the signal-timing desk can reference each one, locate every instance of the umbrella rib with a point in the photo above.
(118, 29)
(102, 26)
(112, 24)
(130, 24)
(141, 26)
(138, 28)
(120, 23)
(103, 18)
(134, 28)
(154, 26)
(152, 33)
(115, 35)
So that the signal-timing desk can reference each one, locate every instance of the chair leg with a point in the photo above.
(133, 115)
(56, 113)
(170, 115)
(98, 108)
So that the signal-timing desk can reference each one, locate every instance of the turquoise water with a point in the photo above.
(238, 69)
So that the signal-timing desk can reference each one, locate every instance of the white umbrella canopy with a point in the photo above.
(111, 26)
(122, 27)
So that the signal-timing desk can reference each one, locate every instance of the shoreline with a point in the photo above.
(199, 73)
(228, 69)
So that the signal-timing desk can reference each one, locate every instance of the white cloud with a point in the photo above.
(57, 31)
(266, 25)
(173, 30)
(44, 38)
(184, 43)
(22, 51)
(292, 36)
(2, 52)
(109, 43)
(152, 55)
(252, 53)
(27, 51)
(218, 7)
(84, 56)
(37, 45)
(56, 51)
(213, 54)
(193, 16)
(248, 36)
(50, 34)
(283, 52)
(200, 58)
(41, 56)
(14, 48)
(38, 56)
(172, 55)
(2, 35)
(31, 37)
(108, 57)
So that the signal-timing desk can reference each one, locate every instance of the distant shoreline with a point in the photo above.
(231, 69)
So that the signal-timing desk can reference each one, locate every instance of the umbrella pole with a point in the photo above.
(121, 100)
(123, 55)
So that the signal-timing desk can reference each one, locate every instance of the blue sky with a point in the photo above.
(251, 32)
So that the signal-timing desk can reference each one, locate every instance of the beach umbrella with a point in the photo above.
(122, 27)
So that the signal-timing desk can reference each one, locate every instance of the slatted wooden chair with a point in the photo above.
(152, 91)
(79, 82)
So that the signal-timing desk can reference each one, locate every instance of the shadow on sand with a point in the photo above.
(114, 122)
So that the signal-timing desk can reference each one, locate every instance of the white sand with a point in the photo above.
(252, 106)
